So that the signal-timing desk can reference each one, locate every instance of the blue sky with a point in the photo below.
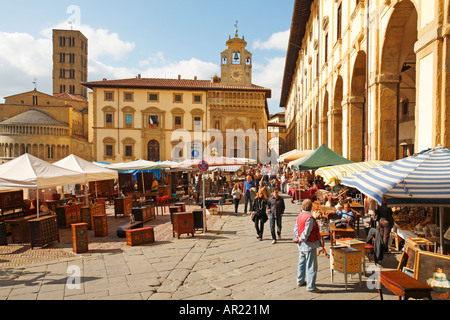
(152, 38)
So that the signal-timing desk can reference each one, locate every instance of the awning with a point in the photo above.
(332, 175)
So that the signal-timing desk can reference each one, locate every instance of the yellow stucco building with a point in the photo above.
(167, 119)
(369, 78)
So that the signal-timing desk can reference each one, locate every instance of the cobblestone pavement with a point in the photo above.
(225, 263)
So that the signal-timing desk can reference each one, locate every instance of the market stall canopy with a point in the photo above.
(92, 171)
(294, 155)
(332, 175)
(29, 172)
(138, 165)
(420, 180)
(322, 157)
(212, 162)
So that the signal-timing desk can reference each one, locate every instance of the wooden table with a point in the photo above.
(403, 285)
(340, 232)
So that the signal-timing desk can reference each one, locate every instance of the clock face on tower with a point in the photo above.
(236, 74)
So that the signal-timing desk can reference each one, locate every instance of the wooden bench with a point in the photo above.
(403, 285)
(122, 230)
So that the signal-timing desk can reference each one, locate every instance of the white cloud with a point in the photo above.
(159, 67)
(102, 42)
(24, 52)
(278, 41)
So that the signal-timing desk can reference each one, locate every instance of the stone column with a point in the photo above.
(335, 134)
(355, 129)
(387, 115)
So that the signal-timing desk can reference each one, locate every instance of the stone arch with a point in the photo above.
(357, 110)
(396, 72)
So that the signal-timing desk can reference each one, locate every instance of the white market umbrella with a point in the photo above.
(29, 172)
(92, 171)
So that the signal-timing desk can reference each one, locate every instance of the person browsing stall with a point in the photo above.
(346, 213)
(307, 236)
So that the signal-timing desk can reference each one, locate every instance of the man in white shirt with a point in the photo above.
(283, 183)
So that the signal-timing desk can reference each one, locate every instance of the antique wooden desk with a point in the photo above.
(403, 285)
(355, 244)
(346, 260)
(339, 232)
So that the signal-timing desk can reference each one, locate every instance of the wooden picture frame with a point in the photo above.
(408, 258)
(434, 270)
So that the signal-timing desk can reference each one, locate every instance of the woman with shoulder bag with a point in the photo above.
(237, 194)
(260, 215)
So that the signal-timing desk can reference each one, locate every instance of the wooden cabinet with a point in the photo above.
(10, 201)
(80, 237)
(100, 225)
(68, 215)
(43, 231)
(183, 223)
(3, 236)
(20, 228)
(123, 206)
(88, 213)
(198, 219)
(355, 244)
(144, 214)
(346, 260)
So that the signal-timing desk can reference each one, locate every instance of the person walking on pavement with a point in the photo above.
(237, 195)
(283, 183)
(276, 210)
(260, 215)
(307, 236)
(248, 185)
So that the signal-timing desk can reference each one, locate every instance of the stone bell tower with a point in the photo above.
(236, 63)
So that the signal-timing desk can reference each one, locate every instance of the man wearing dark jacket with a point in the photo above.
(276, 210)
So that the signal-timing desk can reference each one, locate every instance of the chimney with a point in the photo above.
(179, 77)
(195, 78)
(104, 79)
(139, 76)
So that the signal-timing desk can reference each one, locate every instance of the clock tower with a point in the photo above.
(236, 63)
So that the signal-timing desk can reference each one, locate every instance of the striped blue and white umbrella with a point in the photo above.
(420, 180)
